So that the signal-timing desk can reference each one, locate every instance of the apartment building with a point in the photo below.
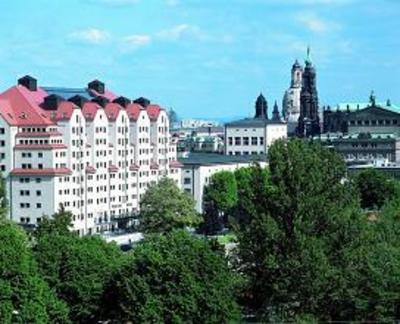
(87, 149)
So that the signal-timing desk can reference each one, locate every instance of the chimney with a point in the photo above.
(78, 100)
(122, 101)
(144, 102)
(101, 101)
(97, 86)
(51, 102)
(28, 82)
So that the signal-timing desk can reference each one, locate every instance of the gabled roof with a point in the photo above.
(63, 112)
(112, 111)
(20, 107)
(133, 111)
(153, 111)
(89, 110)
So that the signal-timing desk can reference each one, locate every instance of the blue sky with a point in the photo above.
(204, 58)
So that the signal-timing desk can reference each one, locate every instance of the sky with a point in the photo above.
(204, 58)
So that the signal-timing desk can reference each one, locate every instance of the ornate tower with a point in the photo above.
(308, 125)
(291, 99)
(261, 107)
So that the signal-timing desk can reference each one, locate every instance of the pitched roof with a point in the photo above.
(133, 111)
(153, 111)
(112, 111)
(20, 107)
(89, 110)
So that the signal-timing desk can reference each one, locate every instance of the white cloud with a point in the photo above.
(316, 24)
(179, 31)
(136, 41)
(91, 35)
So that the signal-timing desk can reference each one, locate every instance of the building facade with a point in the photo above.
(251, 136)
(197, 169)
(87, 149)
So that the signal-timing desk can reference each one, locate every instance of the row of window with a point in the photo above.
(380, 122)
(246, 140)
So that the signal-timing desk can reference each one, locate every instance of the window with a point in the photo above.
(238, 141)
(38, 180)
(40, 166)
(187, 181)
(245, 141)
(254, 141)
(230, 141)
(38, 193)
(38, 205)
(261, 140)
(40, 154)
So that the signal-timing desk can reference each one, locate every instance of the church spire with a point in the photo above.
(275, 113)
(308, 58)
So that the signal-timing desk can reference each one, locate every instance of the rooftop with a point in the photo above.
(215, 159)
(253, 122)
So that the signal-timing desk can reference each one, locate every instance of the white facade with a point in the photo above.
(195, 176)
(252, 138)
(95, 161)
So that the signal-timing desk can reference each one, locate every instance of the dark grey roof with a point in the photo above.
(253, 122)
(214, 158)
(67, 93)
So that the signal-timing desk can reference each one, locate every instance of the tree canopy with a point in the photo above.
(307, 248)
(24, 295)
(76, 268)
(173, 278)
(375, 188)
(165, 207)
(219, 198)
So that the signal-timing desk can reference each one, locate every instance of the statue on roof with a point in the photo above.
(372, 99)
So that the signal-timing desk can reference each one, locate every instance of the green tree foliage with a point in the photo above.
(219, 198)
(165, 207)
(76, 268)
(24, 295)
(303, 248)
(173, 278)
(375, 188)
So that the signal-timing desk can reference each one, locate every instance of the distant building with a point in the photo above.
(251, 136)
(198, 168)
(195, 123)
(291, 99)
(372, 117)
(365, 147)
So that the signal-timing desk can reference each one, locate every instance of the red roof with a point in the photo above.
(63, 112)
(40, 146)
(175, 164)
(42, 172)
(133, 111)
(153, 111)
(38, 134)
(112, 111)
(19, 107)
(89, 110)
(107, 94)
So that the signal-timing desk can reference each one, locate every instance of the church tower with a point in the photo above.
(291, 99)
(275, 113)
(308, 124)
(261, 107)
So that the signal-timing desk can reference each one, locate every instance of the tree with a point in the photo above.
(76, 268)
(173, 278)
(301, 246)
(375, 188)
(24, 295)
(219, 197)
(165, 207)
